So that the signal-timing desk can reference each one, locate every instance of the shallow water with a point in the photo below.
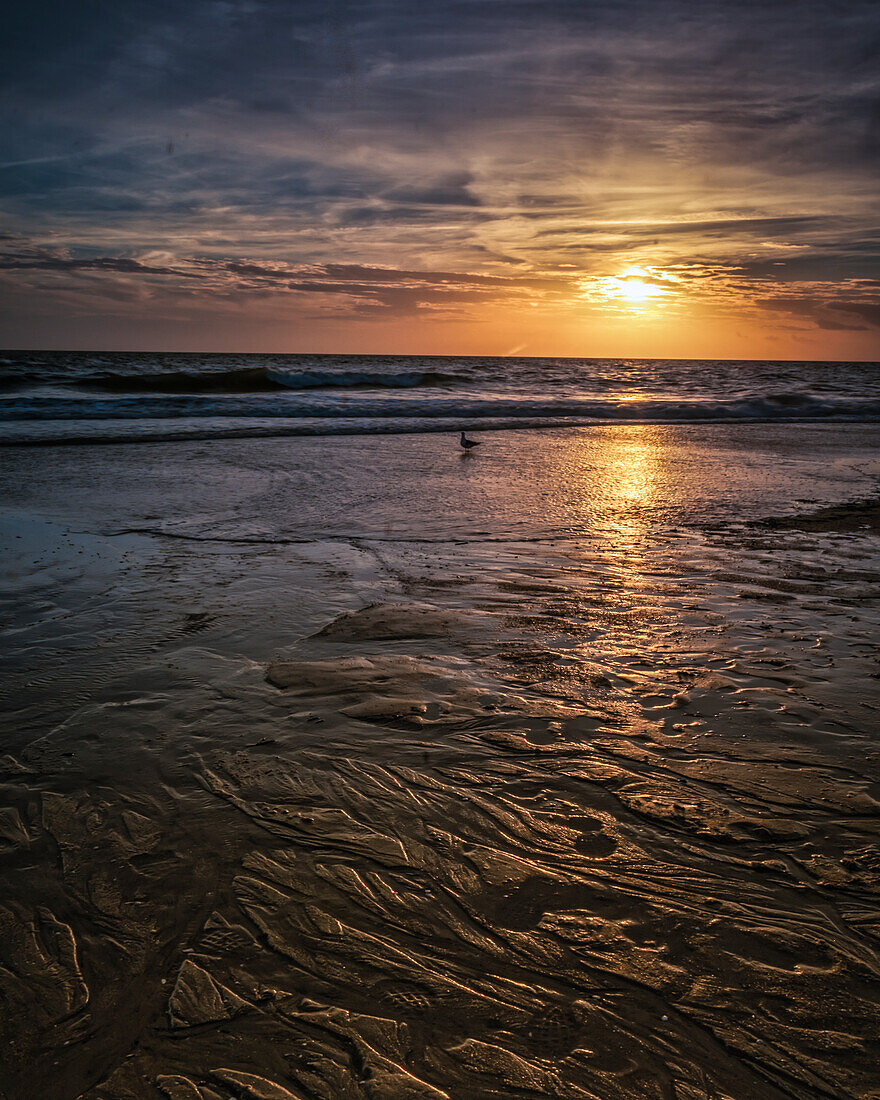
(353, 767)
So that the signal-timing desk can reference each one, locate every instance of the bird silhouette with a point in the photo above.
(468, 443)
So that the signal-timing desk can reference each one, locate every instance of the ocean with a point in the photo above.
(114, 397)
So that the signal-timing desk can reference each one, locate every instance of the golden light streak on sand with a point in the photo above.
(630, 470)
(625, 473)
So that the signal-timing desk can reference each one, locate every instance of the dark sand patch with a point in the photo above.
(392, 689)
(857, 517)
(387, 622)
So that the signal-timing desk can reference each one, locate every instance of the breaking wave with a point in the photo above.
(62, 396)
(151, 420)
(785, 406)
(260, 379)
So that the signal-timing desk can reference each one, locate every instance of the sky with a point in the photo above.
(687, 178)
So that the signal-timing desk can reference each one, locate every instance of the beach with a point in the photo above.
(440, 551)
(355, 766)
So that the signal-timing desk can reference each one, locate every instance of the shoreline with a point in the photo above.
(333, 428)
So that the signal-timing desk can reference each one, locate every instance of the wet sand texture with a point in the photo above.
(594, 818)
(861, 515)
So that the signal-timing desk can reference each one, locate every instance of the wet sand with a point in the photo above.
(356, 769)
(860, 515)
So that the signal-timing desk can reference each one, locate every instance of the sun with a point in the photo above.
(631, 286)
(634, 287)
(634, 290)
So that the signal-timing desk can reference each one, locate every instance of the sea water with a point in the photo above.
(116, 397)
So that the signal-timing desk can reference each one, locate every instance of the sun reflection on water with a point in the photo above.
(619, 482)
(621, 467)
(631, 470)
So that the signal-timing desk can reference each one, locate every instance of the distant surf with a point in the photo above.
(241, 380)
(107, 397)
(266, 379)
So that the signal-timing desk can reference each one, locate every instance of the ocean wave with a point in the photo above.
(53, 433)
(119, 429)
(251, 379)
(403, 406)
(307, 380)
(236, 380)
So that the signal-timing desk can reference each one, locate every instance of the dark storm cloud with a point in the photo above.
(858, 260)
(726, 227)
(449, 135)
(773, 78)
(47, 262)
(344, 275)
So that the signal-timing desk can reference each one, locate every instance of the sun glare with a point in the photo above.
(634, 287)
(634, 290)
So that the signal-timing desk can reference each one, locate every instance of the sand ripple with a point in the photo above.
(531, 824)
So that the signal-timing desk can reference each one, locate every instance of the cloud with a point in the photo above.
(45, 261)
(826, 313)
(367, 289)
(449, 190)
(452, 137)
(867, 311)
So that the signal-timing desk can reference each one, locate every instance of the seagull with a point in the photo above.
(468, 443)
